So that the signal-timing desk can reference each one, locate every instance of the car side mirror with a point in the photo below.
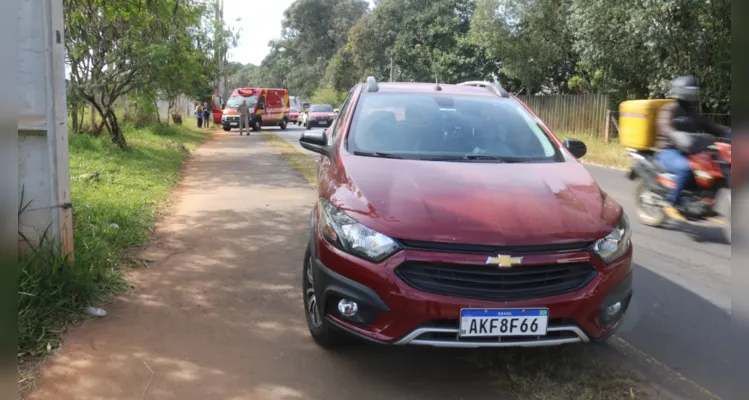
(575, 146)
(315, 141)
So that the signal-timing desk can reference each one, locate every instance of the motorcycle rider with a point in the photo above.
(671, 139)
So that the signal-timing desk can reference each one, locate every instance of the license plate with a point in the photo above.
(503, 322)
(235, 124)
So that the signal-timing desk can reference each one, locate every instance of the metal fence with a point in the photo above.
(586, 114)
(571, 114)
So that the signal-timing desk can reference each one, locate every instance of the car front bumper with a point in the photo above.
(319, 122)
(393, 312)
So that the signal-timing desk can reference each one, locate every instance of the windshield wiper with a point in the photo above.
(481, 157)
(376, 154)
(464, 158)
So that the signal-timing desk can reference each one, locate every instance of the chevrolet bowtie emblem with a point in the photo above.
(504, 261)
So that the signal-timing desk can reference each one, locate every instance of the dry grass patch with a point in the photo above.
(571, 372)
(606, 154)
(296, 158)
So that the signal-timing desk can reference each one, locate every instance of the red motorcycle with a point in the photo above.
(707, 195)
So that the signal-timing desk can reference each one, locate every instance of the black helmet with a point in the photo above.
(685, 88)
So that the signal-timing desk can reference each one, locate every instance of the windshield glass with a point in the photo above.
(321, 108)
(236, 101)
(439, 126)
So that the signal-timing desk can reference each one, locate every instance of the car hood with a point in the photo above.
(476, 203)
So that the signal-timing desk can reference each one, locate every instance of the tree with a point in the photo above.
(531, 41)
(115, 48)
(418, 40)
(655, 42)
(316, 29)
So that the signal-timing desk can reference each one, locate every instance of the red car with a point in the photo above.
(319, 115)
(449, 215)
(293, 115)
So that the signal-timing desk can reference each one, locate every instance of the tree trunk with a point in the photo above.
(74, 118)
(158, 115)
(114, 129)
(93, 117)
(81, 113)
(126, 106)
(109, 120)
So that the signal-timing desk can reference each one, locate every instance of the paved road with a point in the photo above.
(680, 314)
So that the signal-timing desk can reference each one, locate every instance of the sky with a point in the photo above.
(260, 23)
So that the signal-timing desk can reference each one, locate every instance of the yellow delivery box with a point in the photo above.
(637, 119)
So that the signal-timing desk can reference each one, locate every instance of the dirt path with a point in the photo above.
(218, 314)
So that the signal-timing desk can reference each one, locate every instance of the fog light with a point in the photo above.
(611, 310)
(347, 308)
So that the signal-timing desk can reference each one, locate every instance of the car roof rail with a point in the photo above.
(489, 85)
(372, 84)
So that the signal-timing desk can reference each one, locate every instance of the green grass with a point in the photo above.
(606, 154)
(117, 196)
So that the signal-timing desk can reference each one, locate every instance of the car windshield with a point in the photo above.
(446, 127)
(321, 108)
(293, 110)
(236, 101)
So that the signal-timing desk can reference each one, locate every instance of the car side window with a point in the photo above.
(335, 129)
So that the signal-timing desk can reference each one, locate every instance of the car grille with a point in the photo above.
(486, 282)
(232, 118)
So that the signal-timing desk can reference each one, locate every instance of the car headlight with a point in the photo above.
(352, 237)
(616, 243)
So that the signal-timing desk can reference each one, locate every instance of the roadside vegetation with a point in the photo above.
(601, 152)
(117, 196)
(542, 47)
(297, 159)
(126, 61)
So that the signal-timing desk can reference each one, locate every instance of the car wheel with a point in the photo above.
(647, 214)
(308, 126)
(322, 332)
(256, 125)
(283, 124)
(227, 129)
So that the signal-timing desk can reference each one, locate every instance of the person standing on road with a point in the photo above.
(206, 116)
(244, 118)
(199, 114)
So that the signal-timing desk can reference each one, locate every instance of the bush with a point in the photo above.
(327, 95)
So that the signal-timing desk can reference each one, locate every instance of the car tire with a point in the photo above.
(322, 332)
(655, 217)
(226, 128)
(256, 125)
(283, 124)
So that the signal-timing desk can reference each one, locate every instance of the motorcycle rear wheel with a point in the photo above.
(649, 215)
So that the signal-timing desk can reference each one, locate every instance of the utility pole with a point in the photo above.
(219, 40)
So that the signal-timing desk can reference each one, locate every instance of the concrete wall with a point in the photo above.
(43, 171)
